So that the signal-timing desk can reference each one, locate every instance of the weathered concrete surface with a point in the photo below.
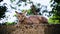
(30, 29)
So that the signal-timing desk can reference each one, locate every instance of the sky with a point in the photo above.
(12, 11)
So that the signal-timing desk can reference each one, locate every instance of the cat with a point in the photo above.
(32, 19)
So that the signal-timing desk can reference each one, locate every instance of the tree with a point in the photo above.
(1, 0)
(2, 11)
(34, 10)
(55, 11)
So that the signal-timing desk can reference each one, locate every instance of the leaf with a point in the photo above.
(19, 4)
(12, 0)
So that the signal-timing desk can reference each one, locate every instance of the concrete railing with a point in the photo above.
(31, 29)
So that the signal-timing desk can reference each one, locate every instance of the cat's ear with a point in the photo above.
(16, 12)
(25, 12)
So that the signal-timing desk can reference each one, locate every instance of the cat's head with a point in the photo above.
(20, 16)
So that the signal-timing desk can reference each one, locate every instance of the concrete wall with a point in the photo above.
(31, 29)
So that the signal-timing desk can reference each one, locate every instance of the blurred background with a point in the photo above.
(47, 8)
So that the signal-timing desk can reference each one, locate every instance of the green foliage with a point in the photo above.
(10, 23)
(13, 7)
(24, 0)
(55, 19)
(14, 14)
(29, 12)
(2, 11)
(19, 4)
(58, 1)
(38, 4)
(1, 0)
(12, 0)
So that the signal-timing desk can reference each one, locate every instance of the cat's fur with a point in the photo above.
(33, 19)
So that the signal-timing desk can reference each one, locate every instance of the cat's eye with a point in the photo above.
(18, 16)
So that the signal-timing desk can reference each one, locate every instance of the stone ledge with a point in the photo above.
(31, 29)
